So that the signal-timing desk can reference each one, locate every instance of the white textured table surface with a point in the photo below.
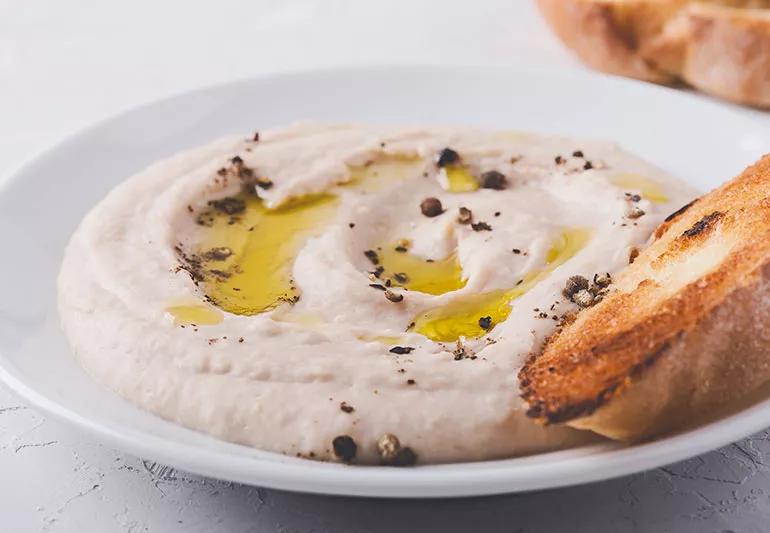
(66, 64)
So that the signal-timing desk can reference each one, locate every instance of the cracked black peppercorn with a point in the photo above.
(465, 216)
(431, 207)
(492, 179)
(574, 284)
(344, 447)
(447, 157)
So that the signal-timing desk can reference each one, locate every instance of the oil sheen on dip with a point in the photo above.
(318, 289)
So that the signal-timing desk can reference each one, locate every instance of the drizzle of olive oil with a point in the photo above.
(459, 179)
(288, 315)
(650, 189)
(197, 313)
(264, 243)
(432, 277)
(382, 173)
(564, 247)
(460, 317)
(383, 339)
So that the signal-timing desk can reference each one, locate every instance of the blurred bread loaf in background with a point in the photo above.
(721, 47)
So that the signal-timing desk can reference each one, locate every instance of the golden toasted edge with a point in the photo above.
(698, 379)
(597, 370)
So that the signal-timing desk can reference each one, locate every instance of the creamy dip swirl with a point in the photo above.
(352, 346)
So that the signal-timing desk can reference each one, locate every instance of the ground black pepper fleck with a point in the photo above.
(632, 197)
(401, 350)
(481, 226)
(372, 256)
(485, 322)
(346, 407)
(401, 277)
(229, 205)
(393, 296)
(220, 274)
(220, 253)
(459, 352)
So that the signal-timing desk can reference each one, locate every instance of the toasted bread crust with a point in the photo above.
(721, 47)
(684, 331)
(729, 54)
(603, 35)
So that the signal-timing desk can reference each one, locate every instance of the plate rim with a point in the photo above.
(448, 480)
(386, 482)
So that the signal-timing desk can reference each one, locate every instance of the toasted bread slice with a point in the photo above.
(607, 34)
(728, 53)
(721, 47)
(684, 332)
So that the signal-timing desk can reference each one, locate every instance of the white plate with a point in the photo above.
(41, 204)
